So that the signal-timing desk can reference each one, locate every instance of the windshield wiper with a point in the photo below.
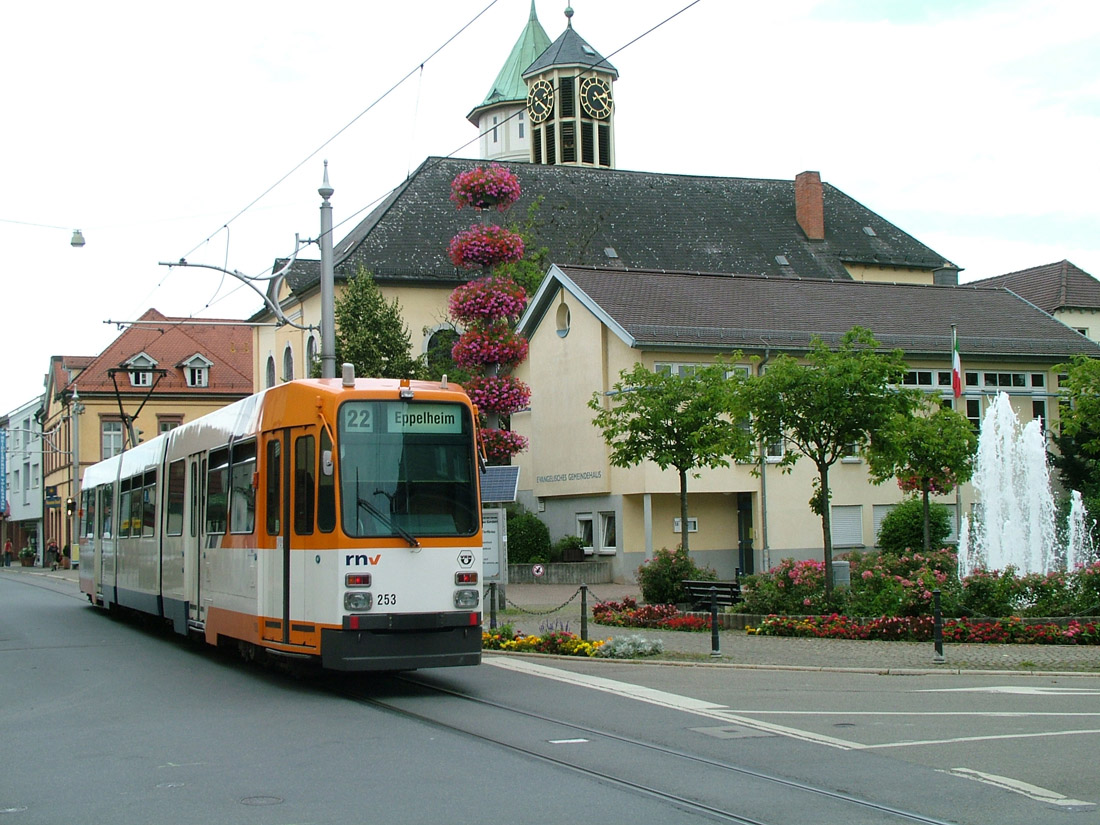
(382, 517)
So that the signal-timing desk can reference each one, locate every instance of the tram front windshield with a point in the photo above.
(407, 469)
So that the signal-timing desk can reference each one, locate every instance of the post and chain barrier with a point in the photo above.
(582, 591)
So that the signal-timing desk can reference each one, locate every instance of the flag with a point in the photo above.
(956, 365)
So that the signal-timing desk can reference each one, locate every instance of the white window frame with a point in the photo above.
(848, 517)
(582, 519)
(116, 438)
(606, 519)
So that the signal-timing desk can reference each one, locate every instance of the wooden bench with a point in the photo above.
(704, 593)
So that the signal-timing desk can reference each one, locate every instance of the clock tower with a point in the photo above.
(570, 105)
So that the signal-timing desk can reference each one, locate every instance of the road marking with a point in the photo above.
(1019, 690)
(1016, 786)
(567, 741)
(674, 701)
(991, 737)
(1010, 714)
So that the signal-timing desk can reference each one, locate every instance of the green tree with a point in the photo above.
(529, 271)
(371, 333)
(681, 421)
(824, 407)
(1080, 401)
(1078, 437)
(909, 522)
(929, 452)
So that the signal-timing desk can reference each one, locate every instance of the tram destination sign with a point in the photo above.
(426, 418)
(360, 417)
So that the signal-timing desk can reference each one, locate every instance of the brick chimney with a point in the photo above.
(809, 205)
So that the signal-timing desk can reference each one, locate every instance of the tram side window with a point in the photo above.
(105, 511)
(149, 504)
(177, 481)
(217, 489)
(124, 509)
(242, 498)
(135, 507)
(304, 475)
(326, 488)
(274, 486)
(87, 518)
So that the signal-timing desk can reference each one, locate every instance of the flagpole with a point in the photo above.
(956, 388)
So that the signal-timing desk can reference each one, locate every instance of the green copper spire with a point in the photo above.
(509, 85)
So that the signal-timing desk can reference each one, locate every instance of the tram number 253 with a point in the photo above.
(389, 599)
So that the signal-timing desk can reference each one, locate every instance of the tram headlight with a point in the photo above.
(358, 600)
(467, 599)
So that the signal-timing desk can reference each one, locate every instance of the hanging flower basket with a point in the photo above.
(501, 394)
(498, 344)
(501, 445)
(492, 188)
(488, 299)
(484, 246)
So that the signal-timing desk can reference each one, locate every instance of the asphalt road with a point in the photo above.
(105, 720)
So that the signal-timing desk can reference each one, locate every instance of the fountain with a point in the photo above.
(1013, 523)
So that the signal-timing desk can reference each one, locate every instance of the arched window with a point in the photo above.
(270, 371)
(288, 364)
(311, 354)
(438, 352)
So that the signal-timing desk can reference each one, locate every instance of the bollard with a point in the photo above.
(937, 628)
(492, 605)
(584, 612)
(714, 643)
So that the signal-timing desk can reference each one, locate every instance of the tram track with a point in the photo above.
(662, 759)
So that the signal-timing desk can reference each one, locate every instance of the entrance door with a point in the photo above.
(744, 534)
(275, 603)
(194, 552)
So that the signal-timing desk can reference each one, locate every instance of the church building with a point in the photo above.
(744, 265)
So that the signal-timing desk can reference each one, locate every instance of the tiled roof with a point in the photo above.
(171, 341)
(570, 49)
(659, 310)
(647, 220)
(1051, 287)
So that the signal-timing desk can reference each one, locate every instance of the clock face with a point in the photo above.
(540, 101)
(596, 97)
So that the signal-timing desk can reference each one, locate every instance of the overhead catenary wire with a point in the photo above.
(419, 68)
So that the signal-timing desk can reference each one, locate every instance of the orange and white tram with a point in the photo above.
(334, 519)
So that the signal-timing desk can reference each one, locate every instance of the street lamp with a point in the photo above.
(78, 238)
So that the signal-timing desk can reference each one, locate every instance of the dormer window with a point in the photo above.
(140, 369)
(196, 371)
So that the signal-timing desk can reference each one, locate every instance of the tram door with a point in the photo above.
(194, 552)
(278, 505)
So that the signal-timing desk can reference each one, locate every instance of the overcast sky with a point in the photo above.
(974, 126)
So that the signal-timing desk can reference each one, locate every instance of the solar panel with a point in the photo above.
(499, 484)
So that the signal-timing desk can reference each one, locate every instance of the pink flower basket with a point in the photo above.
(492, 188)
(494, 345)
(488, 299)
(484, 246)
(501, 394)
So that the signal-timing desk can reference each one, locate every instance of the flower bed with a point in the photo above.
(920, 628)
(627, 613)
(557, 642)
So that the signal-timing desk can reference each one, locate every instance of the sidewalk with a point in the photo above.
(535, 608)
(539, 608)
